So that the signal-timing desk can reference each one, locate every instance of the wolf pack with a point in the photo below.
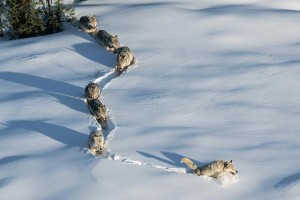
(125, 59)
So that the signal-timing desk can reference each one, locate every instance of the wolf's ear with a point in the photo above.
(230, 161)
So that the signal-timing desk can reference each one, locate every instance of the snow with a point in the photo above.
(214, 80)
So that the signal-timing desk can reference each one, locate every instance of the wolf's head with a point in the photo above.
(124, 58)
(115, 42)
(97, 140)
(229, 168)
(92, 91)
(122, 62)
(101, 111)
(92, 21)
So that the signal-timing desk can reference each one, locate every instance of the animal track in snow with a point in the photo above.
(126, 160)
(103, 82)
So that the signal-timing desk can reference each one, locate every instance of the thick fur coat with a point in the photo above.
(96, 142)
(88, 24)
(213, 169)
(92, 91)
(107, 41)
(125, 58)
(97, 109)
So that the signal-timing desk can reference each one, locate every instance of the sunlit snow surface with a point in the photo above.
(214, 80)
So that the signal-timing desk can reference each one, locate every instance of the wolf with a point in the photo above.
(108, 41)
(96, 142)
(125, 58)
(92, 91)
(88, 24)
(98, 110)
(214, 169)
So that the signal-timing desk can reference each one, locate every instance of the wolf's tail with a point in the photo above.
(189, 163)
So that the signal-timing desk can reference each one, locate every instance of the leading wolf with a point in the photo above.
(214, 169)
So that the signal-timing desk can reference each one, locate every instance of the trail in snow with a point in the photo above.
(126, 160)
(224, 179)
(104, 81)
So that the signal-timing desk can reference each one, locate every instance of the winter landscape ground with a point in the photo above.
(214, 80)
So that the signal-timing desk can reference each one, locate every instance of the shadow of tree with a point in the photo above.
(242, 9)
(41, 83)
(171, 158)
(10, 159)
(288, 180)
(147, 155)
(5, 181)
(61, 134)
(64, 92)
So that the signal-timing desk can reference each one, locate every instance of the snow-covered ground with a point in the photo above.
(214, 80)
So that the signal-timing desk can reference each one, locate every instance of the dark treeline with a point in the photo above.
(29, 18)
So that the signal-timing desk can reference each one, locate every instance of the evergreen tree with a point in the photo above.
(2, 15)
(63, 14)
(24, 19)
(51, 21)
(69, 15)
(28, 18)
(55, 15)
(1, 24)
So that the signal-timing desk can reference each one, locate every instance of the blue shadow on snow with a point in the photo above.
(64, 92)
(171, 158)
(288, 180)
(96, 53)
(61, 134)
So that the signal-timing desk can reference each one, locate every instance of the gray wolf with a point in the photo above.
(88, 24)
(213, 169)
(125, 58)
(92, 91)
(96, 142)
(108, 41)
(98, 110)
